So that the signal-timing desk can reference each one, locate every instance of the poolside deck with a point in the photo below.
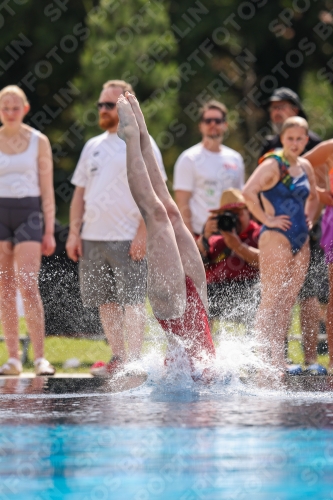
(64, 383)
(74, 383)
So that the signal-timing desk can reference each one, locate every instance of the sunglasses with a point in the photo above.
(279, 107)
(218, 121)
(106, 105)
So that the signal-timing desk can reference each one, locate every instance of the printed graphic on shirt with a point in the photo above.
(111, 213)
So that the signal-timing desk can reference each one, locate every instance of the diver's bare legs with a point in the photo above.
(189, 253)
(166, 276)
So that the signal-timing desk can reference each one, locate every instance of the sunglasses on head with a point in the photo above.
(106, 105)
(218, 121)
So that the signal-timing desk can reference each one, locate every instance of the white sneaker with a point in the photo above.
(12, 367)
(43, 367)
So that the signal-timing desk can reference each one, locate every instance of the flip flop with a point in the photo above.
(294, 370)
(315, 369)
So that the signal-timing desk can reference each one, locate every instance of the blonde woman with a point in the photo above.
(290, 201)
(26, 199)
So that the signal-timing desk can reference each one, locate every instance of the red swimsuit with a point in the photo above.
(193, 326)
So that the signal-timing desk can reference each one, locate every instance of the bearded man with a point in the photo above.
(204, 171)
(108, 236)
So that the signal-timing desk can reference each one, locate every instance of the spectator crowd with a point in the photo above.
(265, 245)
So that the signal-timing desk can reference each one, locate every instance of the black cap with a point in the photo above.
(285, 94)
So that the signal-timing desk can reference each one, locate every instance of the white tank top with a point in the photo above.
(19, 172)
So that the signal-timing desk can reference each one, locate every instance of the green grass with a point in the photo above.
(59, 349)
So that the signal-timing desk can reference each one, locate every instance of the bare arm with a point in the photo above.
(322, 181)
(45, 171)
(74, 243)
(232, 241)
(321, 175)
(262, 179)
(312, 202)
(182, 199)
(325, 197)
(137, 250)
(246, 252)
(209, 229)
(318, 155)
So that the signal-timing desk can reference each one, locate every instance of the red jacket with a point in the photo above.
(224, 264)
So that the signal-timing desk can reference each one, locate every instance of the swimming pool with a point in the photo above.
(223, 442)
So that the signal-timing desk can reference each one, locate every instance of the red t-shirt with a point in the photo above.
(224, 264)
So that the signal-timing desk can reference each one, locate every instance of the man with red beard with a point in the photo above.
(108, 235)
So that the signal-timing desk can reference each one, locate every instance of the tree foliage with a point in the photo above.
(125, 43)
(240, 51)
(176, 55)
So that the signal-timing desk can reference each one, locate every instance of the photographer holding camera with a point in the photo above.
(228, 245)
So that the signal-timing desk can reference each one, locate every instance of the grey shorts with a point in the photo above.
(108, 274)
(21, 219)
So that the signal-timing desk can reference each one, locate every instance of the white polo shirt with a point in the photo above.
(206, 175)
(111, 213)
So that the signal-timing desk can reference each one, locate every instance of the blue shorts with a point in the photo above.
(21, 220)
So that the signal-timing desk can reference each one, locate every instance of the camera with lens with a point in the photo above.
(227, 221)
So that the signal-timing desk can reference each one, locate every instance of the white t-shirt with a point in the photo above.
(206, 175)
(111, 213)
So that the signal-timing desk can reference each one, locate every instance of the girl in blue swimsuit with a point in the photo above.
(288, 193)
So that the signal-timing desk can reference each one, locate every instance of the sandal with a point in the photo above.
(44, 367)
(12, 367)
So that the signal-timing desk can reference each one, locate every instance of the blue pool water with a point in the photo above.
(165, 443)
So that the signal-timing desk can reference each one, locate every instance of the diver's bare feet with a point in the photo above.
(128, 126)
(137, 111)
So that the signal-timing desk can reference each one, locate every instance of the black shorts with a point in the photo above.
(316, 280)
(21, 220)
(235, 301)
